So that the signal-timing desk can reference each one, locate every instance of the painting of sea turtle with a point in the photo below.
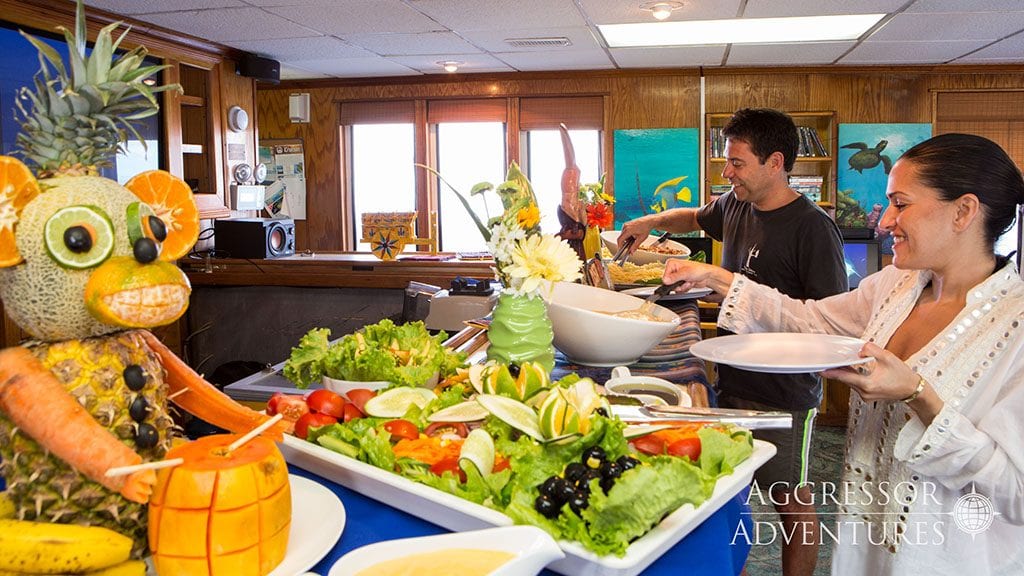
(868, 158)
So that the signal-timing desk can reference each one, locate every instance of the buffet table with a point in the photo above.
(705, 551)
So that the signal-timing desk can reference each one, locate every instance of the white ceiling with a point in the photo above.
(373, 38)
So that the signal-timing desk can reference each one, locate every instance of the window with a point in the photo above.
(467, 141)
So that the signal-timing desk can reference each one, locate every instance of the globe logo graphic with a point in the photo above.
(973, 513)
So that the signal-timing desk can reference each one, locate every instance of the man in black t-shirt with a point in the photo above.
(778, 237)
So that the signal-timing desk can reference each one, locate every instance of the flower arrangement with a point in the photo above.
(598, 205)
(524, 258)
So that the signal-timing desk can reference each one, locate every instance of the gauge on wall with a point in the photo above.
(242, 173)
(260, 173)
(238, 119)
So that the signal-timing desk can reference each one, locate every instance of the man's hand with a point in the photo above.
(638, 229)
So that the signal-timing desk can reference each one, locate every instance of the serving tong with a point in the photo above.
(655, 413)
(623, 252)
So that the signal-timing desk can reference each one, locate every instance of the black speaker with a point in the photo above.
(255, 237)
(262, 69)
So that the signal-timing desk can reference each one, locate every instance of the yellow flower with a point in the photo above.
(541, 258)
(528, 217)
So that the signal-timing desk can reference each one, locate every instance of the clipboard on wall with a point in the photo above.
(285, 182)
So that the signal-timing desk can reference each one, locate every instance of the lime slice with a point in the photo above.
(554, 413)
(478, 448)
(79, 236)
(137, 217)
(638, 430)
(468, 411)
(514, 413)
(396, 402)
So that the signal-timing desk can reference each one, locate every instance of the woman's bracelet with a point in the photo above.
(917, 391)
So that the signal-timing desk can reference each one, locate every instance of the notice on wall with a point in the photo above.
(286, 178)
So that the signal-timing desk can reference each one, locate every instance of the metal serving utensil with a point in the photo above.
(751, 419)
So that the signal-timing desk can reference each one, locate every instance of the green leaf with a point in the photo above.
(47, 51)
(484, 231)
(480, 188)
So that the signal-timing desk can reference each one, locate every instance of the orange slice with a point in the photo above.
(17, 188)
(171, 199)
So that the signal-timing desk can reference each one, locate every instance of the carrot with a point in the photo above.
(204, 399)
(427, 449)
(39, 405)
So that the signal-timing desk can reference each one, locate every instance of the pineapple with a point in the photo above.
(82, 259)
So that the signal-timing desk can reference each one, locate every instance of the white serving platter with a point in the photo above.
(456, 514)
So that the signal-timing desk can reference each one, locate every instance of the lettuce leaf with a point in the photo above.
(305, 364)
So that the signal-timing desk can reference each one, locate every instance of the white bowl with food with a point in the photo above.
(343, 387)
(504, 551)
(598, 327)
(649, 251)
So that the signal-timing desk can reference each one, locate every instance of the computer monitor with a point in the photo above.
(862, 259)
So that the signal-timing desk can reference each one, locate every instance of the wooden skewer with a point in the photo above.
(254, 432)
(124, 470)
(178, 393)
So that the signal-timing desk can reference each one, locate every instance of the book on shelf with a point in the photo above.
(810, 186)
(810, 143)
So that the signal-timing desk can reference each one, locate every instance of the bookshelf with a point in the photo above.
(814, 172)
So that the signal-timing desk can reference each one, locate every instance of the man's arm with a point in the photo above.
(676, 220)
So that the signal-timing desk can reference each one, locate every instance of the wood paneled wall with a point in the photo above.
(635, 99)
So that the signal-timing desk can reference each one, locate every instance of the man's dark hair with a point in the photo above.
(766, 131)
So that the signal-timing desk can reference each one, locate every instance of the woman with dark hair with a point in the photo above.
(934, 473)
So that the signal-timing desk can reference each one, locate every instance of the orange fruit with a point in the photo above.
(171, 199)
(17, 188)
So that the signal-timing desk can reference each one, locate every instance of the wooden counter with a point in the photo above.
(337, 270)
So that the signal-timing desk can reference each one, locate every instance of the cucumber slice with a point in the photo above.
(394, 403)
(339, 446)
(638, 430)
(478, 449)
(514, 413)
(79, 236)
(468, 411)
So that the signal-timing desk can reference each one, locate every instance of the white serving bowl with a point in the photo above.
(641, 256)
(343, 387)
(587, 336)
(646, 388)
(533, 549)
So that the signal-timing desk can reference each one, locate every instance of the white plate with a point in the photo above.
(645, 291)
(459, 515)
(532, 549)
(318, 519)
(781, 352)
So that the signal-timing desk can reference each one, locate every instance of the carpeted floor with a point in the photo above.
(826, 464)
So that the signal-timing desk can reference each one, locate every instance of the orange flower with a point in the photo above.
(528, 217)
(599, 215)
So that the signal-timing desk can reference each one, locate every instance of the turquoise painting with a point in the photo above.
(655, 170)
(866, 154)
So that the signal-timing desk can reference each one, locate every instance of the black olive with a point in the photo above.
(548, 488)
(146, 437)
(546, 506)
(145, 250)
(157, 227)
(557, 488)
(606, 484)
(584, 482)
(610, 470)
(139, 409)
(574, 470)
(627, 462)
(513, 369)
(593, 457)
(563, 491)
(579, 501)
(78, 239)
(134, 377)
(602, 411)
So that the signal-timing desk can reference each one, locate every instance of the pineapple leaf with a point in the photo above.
(79, 104)
(99, 61)
(79, 75)
(96, 97)
(113, 47)
(58, 107)
(47, 51)
(146, 93)
(80, 34)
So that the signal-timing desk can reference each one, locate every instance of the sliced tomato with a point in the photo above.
(402, 429)
(359, 396)
(447, 429)
(688, 447)
(326, 402)
(500, 463)
(352, 411)
(312, 420)
(450, 464)
(292, 407)
(272, 403)
(649, 444)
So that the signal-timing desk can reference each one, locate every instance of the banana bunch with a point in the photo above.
(45, 548)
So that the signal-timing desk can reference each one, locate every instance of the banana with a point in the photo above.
(6, 506)
(45, 548)
(129, 568)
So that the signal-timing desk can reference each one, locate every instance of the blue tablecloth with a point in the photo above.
(708, 550)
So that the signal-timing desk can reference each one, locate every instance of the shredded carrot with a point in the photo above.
(428, 449)
(671, 435)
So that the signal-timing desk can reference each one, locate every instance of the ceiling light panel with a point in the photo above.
(739, 31)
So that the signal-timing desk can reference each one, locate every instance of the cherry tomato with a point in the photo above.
(352, 411)
(688, 447)
(312, 420)
(449, 464)
(326, 402)
(500, 463)
(649, 444)
(293, 407)
(402, 429)
(359, 396)
(442, 428)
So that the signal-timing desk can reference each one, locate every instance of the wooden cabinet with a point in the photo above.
(817, 158)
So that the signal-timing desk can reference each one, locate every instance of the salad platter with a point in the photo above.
(457, 514)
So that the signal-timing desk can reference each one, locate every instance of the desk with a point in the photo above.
(705, 551)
